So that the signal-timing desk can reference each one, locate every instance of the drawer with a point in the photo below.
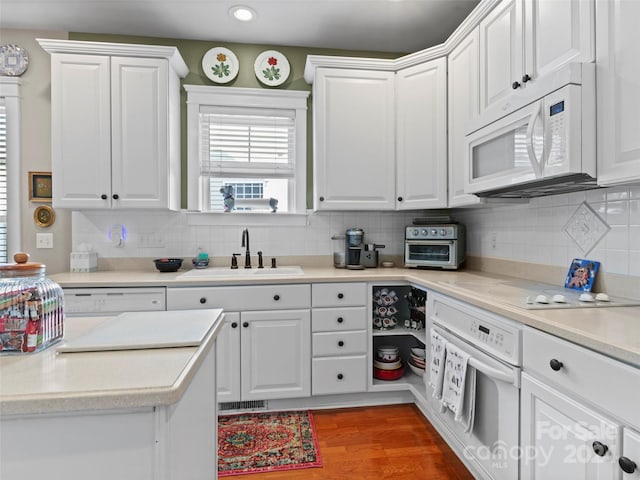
(339, 343)
(338, 375)
(241, 298)
(607, 384)
(339, 294)
(335, 319)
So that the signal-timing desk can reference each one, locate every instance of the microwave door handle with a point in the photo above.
(511, 378)
(535, 163)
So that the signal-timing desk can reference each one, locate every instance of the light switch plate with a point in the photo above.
(44, 240)
(586, 228)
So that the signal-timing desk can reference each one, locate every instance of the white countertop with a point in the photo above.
(48, 382)
(612, 331)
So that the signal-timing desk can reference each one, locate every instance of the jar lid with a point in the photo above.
(22, 265)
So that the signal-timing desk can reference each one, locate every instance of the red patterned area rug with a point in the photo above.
(266, 442)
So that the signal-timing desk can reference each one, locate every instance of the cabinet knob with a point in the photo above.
(555, 364)
(322, 199)
(115, 196)
(245, 324)
(526, 78)
(515, 85)
(340, 376)
(340, 319)
(234, 325)
(103, 196)
(599, 448)
(627, 465)
(203, 300)
(276, 297)
(341, 296)
(399, 199)
(341, 343)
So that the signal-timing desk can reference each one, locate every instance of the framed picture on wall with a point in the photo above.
(40, 186)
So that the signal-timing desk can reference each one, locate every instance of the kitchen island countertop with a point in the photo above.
(52, 382)
(612, 331)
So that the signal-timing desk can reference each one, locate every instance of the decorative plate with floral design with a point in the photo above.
(220, 65)
(272, 68)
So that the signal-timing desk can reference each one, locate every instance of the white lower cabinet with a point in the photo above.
(264, 348)
(339, 338)
(562, 438)
(629, 462)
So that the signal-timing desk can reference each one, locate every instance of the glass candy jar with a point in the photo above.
(31, 307)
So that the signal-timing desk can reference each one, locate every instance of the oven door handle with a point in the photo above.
(429, 242)
(513, 377)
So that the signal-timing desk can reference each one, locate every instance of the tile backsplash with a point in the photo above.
(532, 232)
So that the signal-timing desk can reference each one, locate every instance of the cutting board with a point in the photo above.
(145, 330)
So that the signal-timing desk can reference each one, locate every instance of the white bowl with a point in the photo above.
(416, 370)
(419, 352)
(387, 366)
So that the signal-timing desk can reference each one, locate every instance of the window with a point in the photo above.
(9, 166)
(249, 144)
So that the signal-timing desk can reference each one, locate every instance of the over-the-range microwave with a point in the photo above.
(536, 143)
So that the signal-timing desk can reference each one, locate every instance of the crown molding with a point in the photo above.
(438, 51)
(172, 54)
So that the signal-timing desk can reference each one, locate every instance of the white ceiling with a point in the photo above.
(378, 25)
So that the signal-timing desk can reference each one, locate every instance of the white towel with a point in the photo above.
(459, 385)
(436, 363)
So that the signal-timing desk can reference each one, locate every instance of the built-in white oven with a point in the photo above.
(491, 446)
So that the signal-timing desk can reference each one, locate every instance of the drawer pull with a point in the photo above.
(627, 465)
(555, 365)
(341, 296)
(341, 343)
(599, 448)
(340, 377)
(203, 300)
(245, 324)
(276, 297)
(234, 325)
(340, 319)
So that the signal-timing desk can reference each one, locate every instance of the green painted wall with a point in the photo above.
(193, 50)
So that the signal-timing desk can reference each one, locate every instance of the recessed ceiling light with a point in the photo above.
(242, 13)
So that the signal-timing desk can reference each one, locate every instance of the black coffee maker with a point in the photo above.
(354, 239)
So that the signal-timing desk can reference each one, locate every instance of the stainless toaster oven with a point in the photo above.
(434, 246)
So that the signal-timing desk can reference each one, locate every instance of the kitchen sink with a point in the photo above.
(215, 272)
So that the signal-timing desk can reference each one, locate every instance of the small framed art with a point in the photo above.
(582, 274)
(40, 186)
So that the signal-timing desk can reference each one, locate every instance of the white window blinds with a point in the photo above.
(246, 142)
(3, 181)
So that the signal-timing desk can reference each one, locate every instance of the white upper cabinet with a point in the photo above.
(115, 125)
(618, 92)
(421, 136)
(354, 140)
(522, 40)
(463, 99)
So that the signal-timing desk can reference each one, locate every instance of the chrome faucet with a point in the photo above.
(245, 243)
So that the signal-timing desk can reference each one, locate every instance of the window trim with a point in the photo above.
(10, 90)
(199, 95)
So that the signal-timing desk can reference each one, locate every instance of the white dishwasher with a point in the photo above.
(109, 301)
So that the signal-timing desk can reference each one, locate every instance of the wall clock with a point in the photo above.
(44, 216)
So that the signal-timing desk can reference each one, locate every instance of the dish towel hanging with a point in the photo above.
(459, 385)
(436, 364)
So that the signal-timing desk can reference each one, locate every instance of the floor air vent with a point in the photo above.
(247, 405)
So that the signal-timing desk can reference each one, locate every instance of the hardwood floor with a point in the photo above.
(392, 442)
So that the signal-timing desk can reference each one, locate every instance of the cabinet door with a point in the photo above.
(559, 437)
(276, 354)
(354, 147)
(228, 359)
(501, 52)
(421, 160)
(556, 33)
(139, 106)
(81, 131)
(463, 95)
(630, 455)
(618, 101)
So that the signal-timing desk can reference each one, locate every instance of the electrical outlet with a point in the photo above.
(44, 240)
(494, 237)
